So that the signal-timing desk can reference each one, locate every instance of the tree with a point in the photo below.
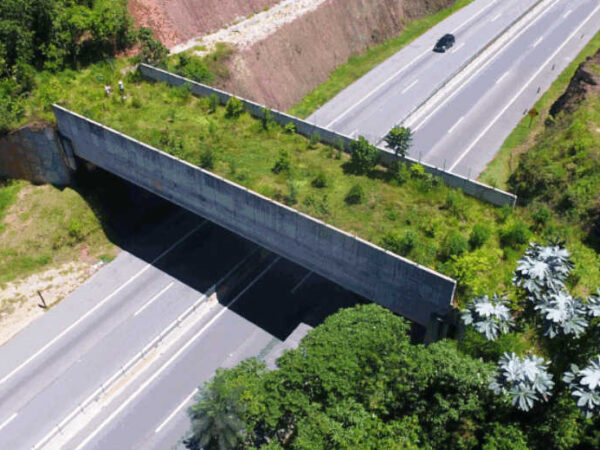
(152, 51)
(585, 386)
(525, 381)
(562, 314)
(490, 317)
(364, 156)
(399, 139)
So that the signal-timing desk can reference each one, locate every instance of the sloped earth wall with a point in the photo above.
(281, 69)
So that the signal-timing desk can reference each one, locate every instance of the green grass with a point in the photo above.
(524, 135)
(45, 228)
(412, 219)
(359, 65)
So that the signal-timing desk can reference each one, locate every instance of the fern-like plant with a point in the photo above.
(490, 317)
(585, 386)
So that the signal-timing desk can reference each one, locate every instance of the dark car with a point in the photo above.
(444, 43)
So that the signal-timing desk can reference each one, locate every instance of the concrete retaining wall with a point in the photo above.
(34, 153)
(399, 284)
(469, 187)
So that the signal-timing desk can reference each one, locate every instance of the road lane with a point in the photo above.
(261, 318)
(44, 391)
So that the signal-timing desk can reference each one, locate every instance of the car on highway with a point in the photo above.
(445, 42)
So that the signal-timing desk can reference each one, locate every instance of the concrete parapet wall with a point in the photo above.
(397, 283)
(35, 153)
(470, 187)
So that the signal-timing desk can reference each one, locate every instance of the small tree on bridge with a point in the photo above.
(399, 139)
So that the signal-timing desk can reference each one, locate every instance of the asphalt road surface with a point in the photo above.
(391, 91)
(461, 129)
(53, 367)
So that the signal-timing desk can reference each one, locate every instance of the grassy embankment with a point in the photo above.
(411, 214)
(43, 227)
(359, 65)
(524, 135)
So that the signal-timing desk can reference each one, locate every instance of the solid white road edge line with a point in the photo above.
(175, 411)
(156, 374)
(525, 86)
(7, 421)
(149, 302)
(136, 358)
(413, 62)
(293, 291)
(97, 306)
(461, 85)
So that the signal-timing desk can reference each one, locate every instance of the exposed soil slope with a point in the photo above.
(282, 68)
(585, 81)
(176, 21)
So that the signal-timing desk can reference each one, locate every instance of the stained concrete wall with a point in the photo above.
(394, 282)
(35, 153)
(470, 187)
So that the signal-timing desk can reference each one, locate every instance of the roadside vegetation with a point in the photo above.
(358, 65)
(42, 227)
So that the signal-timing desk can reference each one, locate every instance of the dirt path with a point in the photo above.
(19, 300)
(252, 29)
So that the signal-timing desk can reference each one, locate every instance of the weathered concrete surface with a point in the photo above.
(394, 282)
(34, 153)
(470, 187)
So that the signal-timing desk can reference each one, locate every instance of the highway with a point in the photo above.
(460, 119)
(54, 377)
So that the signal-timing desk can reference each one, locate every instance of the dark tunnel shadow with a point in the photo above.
(144, 225)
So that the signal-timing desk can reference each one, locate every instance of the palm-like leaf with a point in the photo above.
(542, 270)
(563, 314)
(490, 317)
(585, 386)
(525, 380)
(593, 305)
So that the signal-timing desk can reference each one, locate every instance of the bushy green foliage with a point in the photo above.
(234, 108)
(364, 156)
(401, 244)
(515, 234)
(479, 235)
(213, 103)
(399, 139)
(454, 244)
(283, 163)
(194, 68)
(320, 181)
(356, 381)
(355, 195)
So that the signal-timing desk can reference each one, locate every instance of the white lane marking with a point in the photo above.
(496, 17)
(133, 360)
(457, 48)
(293, 291)
(567, 14)
(7, 421)
(499, 80)
(525, 86)
(409, 87)
(456, 124)
(175, 411)
(149, 302)
(413, 62)
(164, 367)
(536, 43)
(97, 306)
(412, 120)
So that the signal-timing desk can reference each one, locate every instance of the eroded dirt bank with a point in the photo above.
(282, 68)
(176, 21)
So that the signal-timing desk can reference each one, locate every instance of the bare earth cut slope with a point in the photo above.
(283, 68)
(176, 21)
